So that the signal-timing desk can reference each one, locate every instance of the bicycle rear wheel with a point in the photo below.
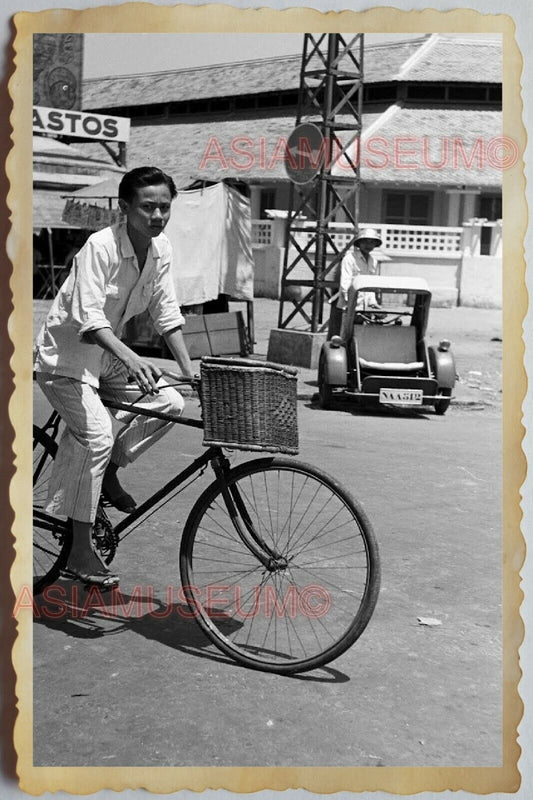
(313, 593)
(51, 542)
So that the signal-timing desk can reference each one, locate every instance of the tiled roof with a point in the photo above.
(204, 150)
(220, 80)
(383, 61)
(442, 59)
(459, 140)
(458, 60)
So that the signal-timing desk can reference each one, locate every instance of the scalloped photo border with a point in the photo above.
(147, 18)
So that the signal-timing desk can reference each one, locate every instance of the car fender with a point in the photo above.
(335, 363)
(442, 365)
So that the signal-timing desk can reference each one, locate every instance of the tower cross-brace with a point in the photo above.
(331, 97)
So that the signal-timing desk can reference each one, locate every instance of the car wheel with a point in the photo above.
(324, 390)
(441, 406)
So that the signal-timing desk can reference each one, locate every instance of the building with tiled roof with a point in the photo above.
(431, 126)
(430, 141)
(431, 147)
(428, 58)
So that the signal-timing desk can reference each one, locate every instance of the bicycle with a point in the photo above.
(278, 562)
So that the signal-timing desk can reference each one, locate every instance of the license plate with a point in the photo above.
(401, 397)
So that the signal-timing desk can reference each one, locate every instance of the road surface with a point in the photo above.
(131, 689)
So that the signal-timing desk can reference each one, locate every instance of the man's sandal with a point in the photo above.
(100, 579)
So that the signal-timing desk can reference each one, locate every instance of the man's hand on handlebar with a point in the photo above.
(143, 373)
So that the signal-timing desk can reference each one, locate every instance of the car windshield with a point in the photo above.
(397, 302)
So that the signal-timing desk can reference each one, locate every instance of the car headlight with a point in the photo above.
(444, 345)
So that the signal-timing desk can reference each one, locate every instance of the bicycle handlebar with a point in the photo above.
(194, 381)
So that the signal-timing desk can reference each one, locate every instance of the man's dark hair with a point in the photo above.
(144, 176)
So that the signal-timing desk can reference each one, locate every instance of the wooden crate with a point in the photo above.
(215, 334)
(205, 335)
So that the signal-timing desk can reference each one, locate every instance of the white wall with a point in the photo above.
(470, 280)
(481, 282)
(442, 274)
(268, 267)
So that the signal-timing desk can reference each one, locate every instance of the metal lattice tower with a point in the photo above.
(331, 97)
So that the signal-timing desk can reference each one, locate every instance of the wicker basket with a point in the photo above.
(249, 405)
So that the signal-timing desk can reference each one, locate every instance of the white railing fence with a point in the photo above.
(261, 232)
(408, 239)
(420, 238)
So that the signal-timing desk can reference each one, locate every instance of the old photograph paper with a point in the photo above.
(350, 202)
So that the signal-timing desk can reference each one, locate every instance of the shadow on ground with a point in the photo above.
(91, 614)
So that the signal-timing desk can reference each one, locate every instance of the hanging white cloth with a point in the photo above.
(210, 233)
(237, 273)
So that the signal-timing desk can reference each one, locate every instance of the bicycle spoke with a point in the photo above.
(308, 601)
(324, 581)
(329, 546)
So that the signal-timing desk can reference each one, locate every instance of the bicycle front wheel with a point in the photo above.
(285, 576)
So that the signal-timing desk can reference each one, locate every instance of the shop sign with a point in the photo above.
(63, 122)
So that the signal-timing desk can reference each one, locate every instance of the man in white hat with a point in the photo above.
(358, 261)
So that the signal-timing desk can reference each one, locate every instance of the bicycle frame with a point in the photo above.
(213, 455)
(231, 577)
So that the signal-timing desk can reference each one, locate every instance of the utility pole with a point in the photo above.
(321, 191)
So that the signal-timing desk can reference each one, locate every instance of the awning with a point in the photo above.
(48, 206)
(94, 207)
(103, 190)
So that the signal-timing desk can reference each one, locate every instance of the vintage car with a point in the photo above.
(381, 355)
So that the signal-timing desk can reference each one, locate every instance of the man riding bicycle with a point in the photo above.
(121, 271)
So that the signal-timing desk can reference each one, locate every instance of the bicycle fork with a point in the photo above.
(272, 560)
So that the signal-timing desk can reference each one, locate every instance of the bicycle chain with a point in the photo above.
(104, 537)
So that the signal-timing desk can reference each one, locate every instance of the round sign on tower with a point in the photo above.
(306, 151)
